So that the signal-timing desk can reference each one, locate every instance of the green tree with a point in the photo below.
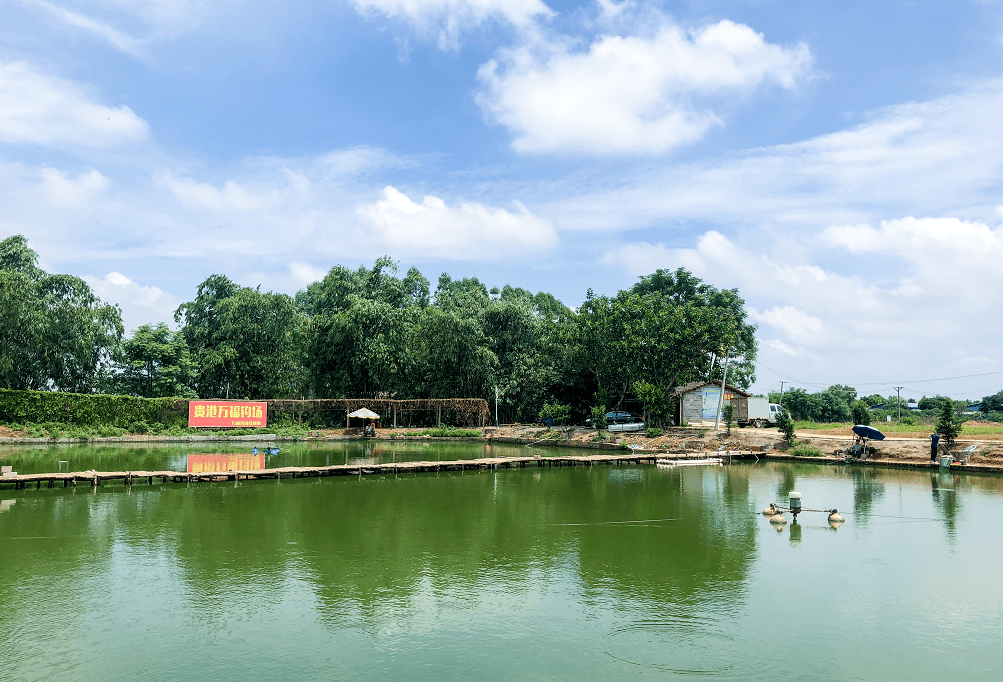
(831, 407)
(658, 401)
(848, 394)
(362, 338)
(992, 403)
(244, 343)
(54, 333)
(525, 373)
(155, 363)
(456, 359)
(949, 423)
(728, 412)
(801, 405)
(861, 413)
(664, 330)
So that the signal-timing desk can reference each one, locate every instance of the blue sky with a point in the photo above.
(840, 163)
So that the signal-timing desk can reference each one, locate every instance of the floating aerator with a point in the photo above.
(795, 499)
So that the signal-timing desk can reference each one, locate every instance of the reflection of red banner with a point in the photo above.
(209, 464)
(228, 414)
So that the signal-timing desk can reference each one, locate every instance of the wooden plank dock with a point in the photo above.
(96, 478)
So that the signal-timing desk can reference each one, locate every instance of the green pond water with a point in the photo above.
(586, 573)
(174, 456)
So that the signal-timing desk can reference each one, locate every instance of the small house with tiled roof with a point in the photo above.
(699, 400)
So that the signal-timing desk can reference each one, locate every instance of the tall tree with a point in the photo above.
(244, 343)
(55, 333)
(156, 363)
(663, 331)
(362, 333)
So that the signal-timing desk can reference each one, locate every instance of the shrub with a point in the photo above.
(109, 431)
(450, 432)
(599, 417)
(559, 413)
(804, 450)
(785, 425)
(728, 412)
(139, 427)
(654, 433)
(54, 407)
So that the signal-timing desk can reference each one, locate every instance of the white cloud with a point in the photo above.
(62, 190)
(470, 231)
(155, 19)
(198, 195)
(276, 188)
(117, 39)
(448, 18)
(933, 158)
(935, 318)
(140, 304)
(304, 273)
(630, 94)
(791, 322)
(37, 108)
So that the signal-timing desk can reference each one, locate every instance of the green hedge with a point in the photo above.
(90, 410)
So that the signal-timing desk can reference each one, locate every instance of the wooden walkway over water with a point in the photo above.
(96, 478)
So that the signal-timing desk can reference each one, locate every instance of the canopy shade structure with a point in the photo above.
(364, 413)
(868, 432)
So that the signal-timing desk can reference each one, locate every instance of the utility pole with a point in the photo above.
(781, 403)
(720, 398)
(898, 395)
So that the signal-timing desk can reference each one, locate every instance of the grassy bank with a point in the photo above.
(86, 432)
(920, 428)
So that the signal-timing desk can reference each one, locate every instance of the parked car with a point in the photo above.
(618, 420)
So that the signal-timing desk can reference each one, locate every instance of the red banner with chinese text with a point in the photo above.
(227, 414)
(213, 463)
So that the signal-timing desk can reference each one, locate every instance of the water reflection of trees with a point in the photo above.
(945, 490)
(158, 456)
(867, 489)
(51, 543)
(370, 545)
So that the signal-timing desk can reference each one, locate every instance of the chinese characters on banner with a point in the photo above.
(227, 414)
(213, 463)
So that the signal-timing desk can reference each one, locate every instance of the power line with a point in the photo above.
(789, 377)
(878, 383)
(925, 381)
